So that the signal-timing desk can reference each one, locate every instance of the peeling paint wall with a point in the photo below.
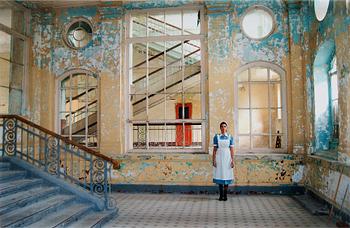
(292, 47)
(330, 180)
(229, 49)
(188, 169)
(322, 39)
(327, 178)
(53, 58)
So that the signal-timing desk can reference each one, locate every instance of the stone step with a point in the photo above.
(13, 186)
(4, 166)
(63, 217)
(25, 197)
(11, 175)
(94, 219)
(36, 211)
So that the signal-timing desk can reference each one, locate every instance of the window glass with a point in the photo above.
(5, 45)
(321, 7)
(6, 16)
(257, 23)
(78, 34)
(191, 22)
(79, 108)
(167, 23)
(259, 105)
(165, 79)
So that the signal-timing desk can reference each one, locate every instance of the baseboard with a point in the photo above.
(140, 188)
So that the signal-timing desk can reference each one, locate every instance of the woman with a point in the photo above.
(223, 160)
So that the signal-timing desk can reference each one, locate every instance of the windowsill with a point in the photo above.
(329, 155)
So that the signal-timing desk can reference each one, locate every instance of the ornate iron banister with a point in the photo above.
(58, 156)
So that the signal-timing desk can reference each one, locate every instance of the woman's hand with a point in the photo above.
(232, 165)
(214, 163)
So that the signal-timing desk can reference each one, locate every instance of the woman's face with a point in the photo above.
(223, 128)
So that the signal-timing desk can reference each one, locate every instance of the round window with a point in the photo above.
(321, 7)
(258, 22)
(78, 33)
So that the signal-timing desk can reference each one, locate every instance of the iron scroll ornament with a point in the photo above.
(10, 136)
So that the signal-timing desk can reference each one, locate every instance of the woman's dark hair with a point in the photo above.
(223, 123)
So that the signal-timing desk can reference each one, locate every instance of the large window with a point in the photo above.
(165, 80)
(78, 108)
(12, 58)
(333, 79)
(261, 122)
(325, 84)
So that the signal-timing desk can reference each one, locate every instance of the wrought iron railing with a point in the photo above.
(58, 156)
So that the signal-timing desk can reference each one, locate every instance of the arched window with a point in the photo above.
(78, 107)
(260, 108)
(326, 97)
(333, 81)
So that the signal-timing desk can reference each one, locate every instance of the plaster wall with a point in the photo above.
(196, 169)
(327, 178)
(330, 180)
(226, 48)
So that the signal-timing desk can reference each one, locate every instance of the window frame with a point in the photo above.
(267, 10)
(180, 38)
(71, 23)
(58, 83)
(23, 36)
(281, 72)
(333, 73)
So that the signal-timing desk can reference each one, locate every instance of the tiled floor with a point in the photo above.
(182, 210)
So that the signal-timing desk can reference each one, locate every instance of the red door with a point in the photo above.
(179, 127)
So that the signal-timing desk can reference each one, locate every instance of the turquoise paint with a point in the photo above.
(156, 4)
(228, 40)
(189, 163)
(111, 12)
(78, 11)
(295, 25)
(144, 165)
(87, 12)
(122, 166)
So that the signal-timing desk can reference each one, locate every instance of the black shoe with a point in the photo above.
(221, 191)
(225, 195)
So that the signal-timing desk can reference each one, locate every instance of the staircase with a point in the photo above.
(49, 181)
(31, 201)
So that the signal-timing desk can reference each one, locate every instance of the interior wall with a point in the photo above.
(228, 50)
(327, 178)
(52, 58)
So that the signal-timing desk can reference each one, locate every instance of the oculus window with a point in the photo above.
(78, 33)
(258, 22)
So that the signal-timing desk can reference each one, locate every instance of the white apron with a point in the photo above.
(223, 170)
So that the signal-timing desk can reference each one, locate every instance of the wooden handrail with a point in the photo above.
(115, 163)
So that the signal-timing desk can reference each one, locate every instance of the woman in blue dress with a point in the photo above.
(223, 160)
